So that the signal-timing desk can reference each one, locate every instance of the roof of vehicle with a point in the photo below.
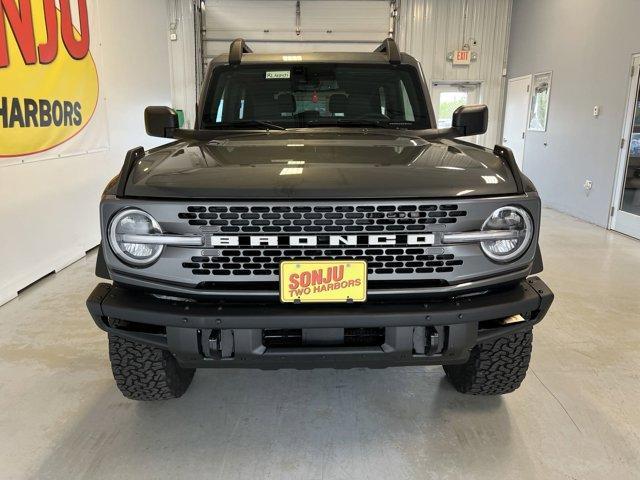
(323, 57)
(386, 53)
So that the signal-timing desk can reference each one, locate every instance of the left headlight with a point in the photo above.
(126, 225)
(514, 230)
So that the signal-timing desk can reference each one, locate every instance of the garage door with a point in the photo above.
(296, 26)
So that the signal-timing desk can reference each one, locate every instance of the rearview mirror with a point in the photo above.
(471, 120)
(160, 121)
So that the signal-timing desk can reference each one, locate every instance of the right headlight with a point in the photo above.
(128, 224)
(512, 219)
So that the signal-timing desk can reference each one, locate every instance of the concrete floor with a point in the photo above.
(575, 417)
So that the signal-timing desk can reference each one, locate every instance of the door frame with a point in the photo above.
(479, 84)
(504, 112)
(623, 153)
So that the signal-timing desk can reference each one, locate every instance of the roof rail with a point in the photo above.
(236, 50)
(391, 49)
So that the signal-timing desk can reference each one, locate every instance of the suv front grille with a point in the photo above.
(319, 219)
(238, 245)
(266, 262)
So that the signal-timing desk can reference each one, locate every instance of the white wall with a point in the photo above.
(429, 29)
(588, 45)
(49, 209)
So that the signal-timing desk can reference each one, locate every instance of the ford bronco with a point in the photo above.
(317, 217)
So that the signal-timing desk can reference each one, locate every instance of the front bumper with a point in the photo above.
(216, 334)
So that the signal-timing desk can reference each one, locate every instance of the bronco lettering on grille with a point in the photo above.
(319, 240)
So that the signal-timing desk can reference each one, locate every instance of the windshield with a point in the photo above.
(281, 95)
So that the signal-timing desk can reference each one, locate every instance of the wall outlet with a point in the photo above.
(596, 111)
(588, 185)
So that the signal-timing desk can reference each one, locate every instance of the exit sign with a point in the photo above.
(462, 57)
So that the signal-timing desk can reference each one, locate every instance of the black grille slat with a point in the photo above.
(340, 218)
(386, 260)
(322, 218)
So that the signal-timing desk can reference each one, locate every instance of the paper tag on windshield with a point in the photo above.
(278, 75)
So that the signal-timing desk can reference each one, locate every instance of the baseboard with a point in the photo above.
(7, 297)
(10, 291)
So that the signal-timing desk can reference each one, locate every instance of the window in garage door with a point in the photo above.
(626, 210)
(447, 96)
(296, 26)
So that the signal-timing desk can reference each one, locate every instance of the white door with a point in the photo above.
(447, 96)
(626, 207)
(516, 115)
(290, 26)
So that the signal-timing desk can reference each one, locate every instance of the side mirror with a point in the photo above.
(160, 121)
(471, 120)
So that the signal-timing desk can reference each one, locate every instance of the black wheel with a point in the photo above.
(144, 372)
(494, 368)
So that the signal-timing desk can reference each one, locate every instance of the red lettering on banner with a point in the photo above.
(47, 52)
(21, 23)
(77, 48)
(19, 18)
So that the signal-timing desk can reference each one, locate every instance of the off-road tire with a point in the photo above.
(144, 372)
(495, 367)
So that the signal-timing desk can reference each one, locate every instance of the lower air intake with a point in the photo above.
(326, 337)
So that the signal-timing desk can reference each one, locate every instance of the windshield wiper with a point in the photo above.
(364, 123)
(252, 123)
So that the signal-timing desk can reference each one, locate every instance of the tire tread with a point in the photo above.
(494, 368)
(143, 372)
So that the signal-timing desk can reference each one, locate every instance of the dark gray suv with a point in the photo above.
(316, 217)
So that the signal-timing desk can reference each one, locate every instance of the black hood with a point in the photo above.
(287, 165)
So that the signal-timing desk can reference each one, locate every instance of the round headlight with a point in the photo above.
(515, 220)
(134, 222)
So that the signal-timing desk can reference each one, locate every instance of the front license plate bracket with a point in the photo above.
(323, 281)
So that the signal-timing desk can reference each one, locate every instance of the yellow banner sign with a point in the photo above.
(48, 78)
(323, 281)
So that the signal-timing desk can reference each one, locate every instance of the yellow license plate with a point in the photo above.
(318, 281)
